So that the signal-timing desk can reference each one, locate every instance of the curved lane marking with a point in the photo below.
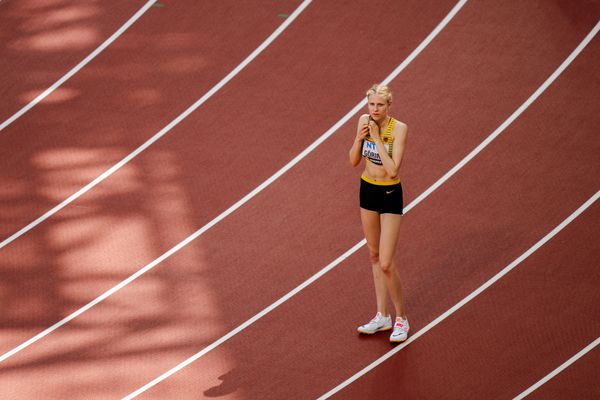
(79, 66)
(148, 267)
(559, 369)
(240, 202)
(464, 301)
(363, 242)
(282, 300)
(161, 133)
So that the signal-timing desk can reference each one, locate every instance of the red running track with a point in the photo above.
(578, 381)
(160, 66)
(451, 243)
(191, 204)
(43, 40)
(280, 353)
(512, 335)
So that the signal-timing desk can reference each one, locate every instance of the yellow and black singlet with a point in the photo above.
(369, 150)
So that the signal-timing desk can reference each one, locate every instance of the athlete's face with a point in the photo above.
(378, 107)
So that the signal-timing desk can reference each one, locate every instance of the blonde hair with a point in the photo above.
(382, 90)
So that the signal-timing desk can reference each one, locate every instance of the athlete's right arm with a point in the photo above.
(362, 131)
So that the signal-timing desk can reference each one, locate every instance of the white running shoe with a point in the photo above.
(400, 333)
(377, 324)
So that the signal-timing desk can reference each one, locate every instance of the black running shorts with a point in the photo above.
(383, 197)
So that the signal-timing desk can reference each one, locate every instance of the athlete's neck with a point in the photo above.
(384, 123)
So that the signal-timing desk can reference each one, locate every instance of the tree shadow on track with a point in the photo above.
(159, 200)
(146, 208)
(102, 113)
(41, 41)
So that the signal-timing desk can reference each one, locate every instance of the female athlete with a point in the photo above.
(381, 140)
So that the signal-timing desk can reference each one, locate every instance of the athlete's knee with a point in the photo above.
(386, 266)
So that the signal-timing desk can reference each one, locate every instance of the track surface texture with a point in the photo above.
(165, 292)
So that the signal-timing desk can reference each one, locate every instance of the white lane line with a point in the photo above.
(464, 301)
(558, 370)
(240, 328)
(162, 132)
(231, 209)
(518, 112)
(183, 243)
(333, 264)
(79, 66)
(348, 252)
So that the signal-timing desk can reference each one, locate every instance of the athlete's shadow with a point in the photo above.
(227, 386)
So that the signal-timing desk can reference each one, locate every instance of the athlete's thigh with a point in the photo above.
(390, 229)
(371, 228)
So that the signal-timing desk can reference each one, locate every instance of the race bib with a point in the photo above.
(369, 151)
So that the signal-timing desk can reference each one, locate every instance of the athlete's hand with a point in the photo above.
(374, 130)
(363, 131)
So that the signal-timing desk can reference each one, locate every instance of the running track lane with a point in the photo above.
(80, 261)
(41, 43)
(33, 280)
(326, 14)
(275, 278)
(261, 68)
(275, 356)
(577, 381)
(511, 335)
(136, 87)
(541, 136)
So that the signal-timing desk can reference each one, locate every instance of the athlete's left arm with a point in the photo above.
(392, 164)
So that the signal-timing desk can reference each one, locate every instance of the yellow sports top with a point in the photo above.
(369, 150)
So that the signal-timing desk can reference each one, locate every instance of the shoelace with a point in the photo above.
(377, 319)
(374, 321)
